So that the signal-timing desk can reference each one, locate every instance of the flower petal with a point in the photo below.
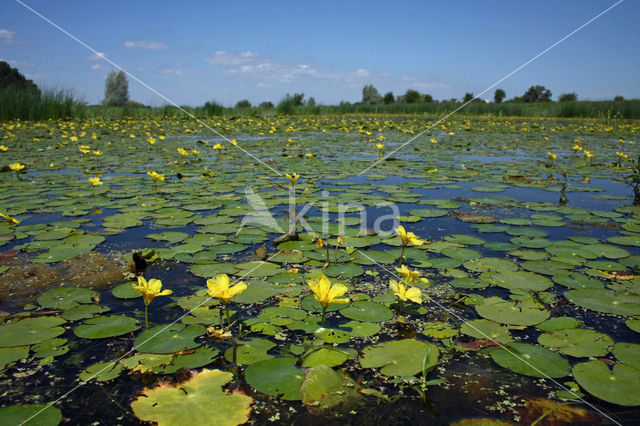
(414, 295)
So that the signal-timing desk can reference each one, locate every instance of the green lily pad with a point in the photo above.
(367, 311)
(84, 311)
(608, 251)
(517, 280)
(329, 335)
(607, 301)
(30, 330)
(191, 402)
(559, 323)
(397, 357)
(37, 414)
(278, 377)
(10, 355)
(329, 357)
(530, 360)
(250, 351)
(634, 324)
(577, 342)
(485, 264)
(461, 253)
(360, 329)
(439, 330)
(101, 372)
(165, 339)
(576, 281)
(620, 386)
(66, 297)
(628, 353)
(125, 291)
(325, 391)
(346, 270)
(512, 312)
(106, 326)
(211, 270)
(50, 348)
(485, 329)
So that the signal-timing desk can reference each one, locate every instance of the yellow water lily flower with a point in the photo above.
(403, 293)
(409, 275)
(16, 167)
(408, 237)
(97, 153)
(151, 140)
(434, 140)
(218, 146)
(156, 176)
(9, 219)
(551, 155)
(293, 177)
(183, 152)
(84, 149)
(234, 142)
(150, 289)
(325, 293)
(195, 152)
(3, 148)
(73, 139)
(95, 181)
(589, 154)
(219, 288)
(622, 155)
(308, 155)
(379, 146)
(576, 148)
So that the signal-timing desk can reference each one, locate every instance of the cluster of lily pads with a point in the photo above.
(494, 265)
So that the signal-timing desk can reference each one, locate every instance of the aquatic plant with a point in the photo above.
(149, 291)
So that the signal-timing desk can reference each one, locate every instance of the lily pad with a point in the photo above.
(324, 390)
(250, 351)
(164, 339)
(30, 330)
(101, 372)
(329, 357)
(36, 414)
(191, 402)
(278, 377)
(577, 342)
(530, 360)
(607, 301)
(518, 280)
(512, 312)
(485, 329)
(628, 353)
(397, 357)
(620, 386)
(367, 311)
(66, 297)
(106, 326)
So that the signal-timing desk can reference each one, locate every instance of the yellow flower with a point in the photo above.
(408, 237)
(195, 152)
(3, 148)
(97, 153)
(219, 288)
(95, 181)
(234, 142)
(293, 177)
(308, 155)
(379, 146)
(156, 176)
(151, 140)
(182, 152)
(73, 139)
(433, 140)
(218, 146)
(16, 167)
(589, 154)
(9, 219)
(293, 270)
(622, 155)
(576, 148)
(325, 293)
(150, 289)
(403, 293)
(551, 155)
(84, 149)
(319, 242)
(409, 276)
(340, 239)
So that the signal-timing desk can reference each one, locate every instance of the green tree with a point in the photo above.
(116, 89)
(244, 103)
(388, 98)
(370, 95)
(311, 101)
(427, 98)
(468, 97)
(537, 94)
(618, 98)
(499, 96)
(12, 78)
(266, 105)
(297, 99)
(568, 97)
(412, 96)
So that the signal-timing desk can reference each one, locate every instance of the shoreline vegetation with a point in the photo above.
(62, 104)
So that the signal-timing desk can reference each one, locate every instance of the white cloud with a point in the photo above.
(98, 56)
(230, 60)
(171, 71)
(8, 37)
(145, 44)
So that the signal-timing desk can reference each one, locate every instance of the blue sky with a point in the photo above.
(196, 51)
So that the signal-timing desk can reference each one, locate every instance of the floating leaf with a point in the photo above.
(250, 351)
(607, 301)
(101, 372)
(397, 357)
(628, 353)
(164, 339)
(512, 312)
(278, 377)
(191, 402)
(37, 414)
(517, 280)
(485, 329)
(30, 330)
(577, 342)
(620, 386)
(530, 360)
(324, 391)
(106, 326)
(66, 297)
(329, 357)
(367, 311)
